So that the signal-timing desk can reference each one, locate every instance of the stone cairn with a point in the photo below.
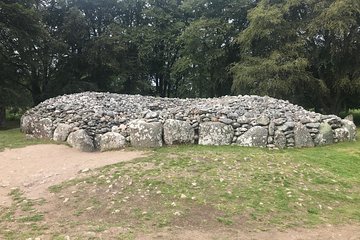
(93, 121)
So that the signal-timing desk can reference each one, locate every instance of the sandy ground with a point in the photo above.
(346, 232)
(35, 168)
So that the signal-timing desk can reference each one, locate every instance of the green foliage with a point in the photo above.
(355, 113)
(303, 51)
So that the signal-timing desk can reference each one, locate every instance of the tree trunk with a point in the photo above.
(2, 115)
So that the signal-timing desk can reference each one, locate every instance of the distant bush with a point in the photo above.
(355, 113)
(14, 114)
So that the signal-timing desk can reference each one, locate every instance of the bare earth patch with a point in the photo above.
(347, 232)
(35, 168)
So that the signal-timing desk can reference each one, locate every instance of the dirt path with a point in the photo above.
(329, 232)
(35, 168)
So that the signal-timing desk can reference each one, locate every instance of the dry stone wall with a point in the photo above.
(93, 121)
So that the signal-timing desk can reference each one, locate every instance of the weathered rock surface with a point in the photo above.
(111, 141)
(43, 128)
(302, 136)
(350, 126)
(178, 132)
(325, 135)
(61, 132)
(280, 139)
(255, 137)
(341, 134)
(215, 133)
(151, 121)
(27, 124)
(81, 141)
(145, 134)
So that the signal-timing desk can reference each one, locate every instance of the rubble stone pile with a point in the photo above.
(93, 121)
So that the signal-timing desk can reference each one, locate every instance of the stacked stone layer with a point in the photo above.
(105, 121)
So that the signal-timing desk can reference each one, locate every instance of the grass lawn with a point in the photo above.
(199, 187)
(11, 137)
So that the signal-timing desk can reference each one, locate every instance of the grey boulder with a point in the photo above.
(302, 136)
(177, 132)
(342, 134)
(27, 124)
(325, 135)
(61, 132)
(43, 128)
(215, 133)
(111, 141)
(279, 139)
(81, 141)
(350, 126)
(255, 137)
(144, 134)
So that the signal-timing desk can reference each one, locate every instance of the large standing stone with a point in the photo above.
(215, 133)
(144, 134)
(43, 129)
(81, 141)
(271, 128)
(176, 131)
(255, 137)
(350, 126)
(342, 134)
(279, 139)
(62, 132)
(111, 141)
(302, 136)
(27, 124)
(325, 135)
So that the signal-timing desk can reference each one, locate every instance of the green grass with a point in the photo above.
(226, 186)
(199, 187)
(11, 137)
(24, 215)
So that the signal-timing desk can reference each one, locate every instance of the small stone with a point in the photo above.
(226, 121)
(90, 234)
(312, 125)
(263, 120)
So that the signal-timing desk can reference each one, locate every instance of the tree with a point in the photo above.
(21, 36)
(204, 57)
(208, 46)
(297, 50)
(159, 49)
(333, 47)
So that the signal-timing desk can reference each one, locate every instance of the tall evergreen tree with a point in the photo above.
(298, 50)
